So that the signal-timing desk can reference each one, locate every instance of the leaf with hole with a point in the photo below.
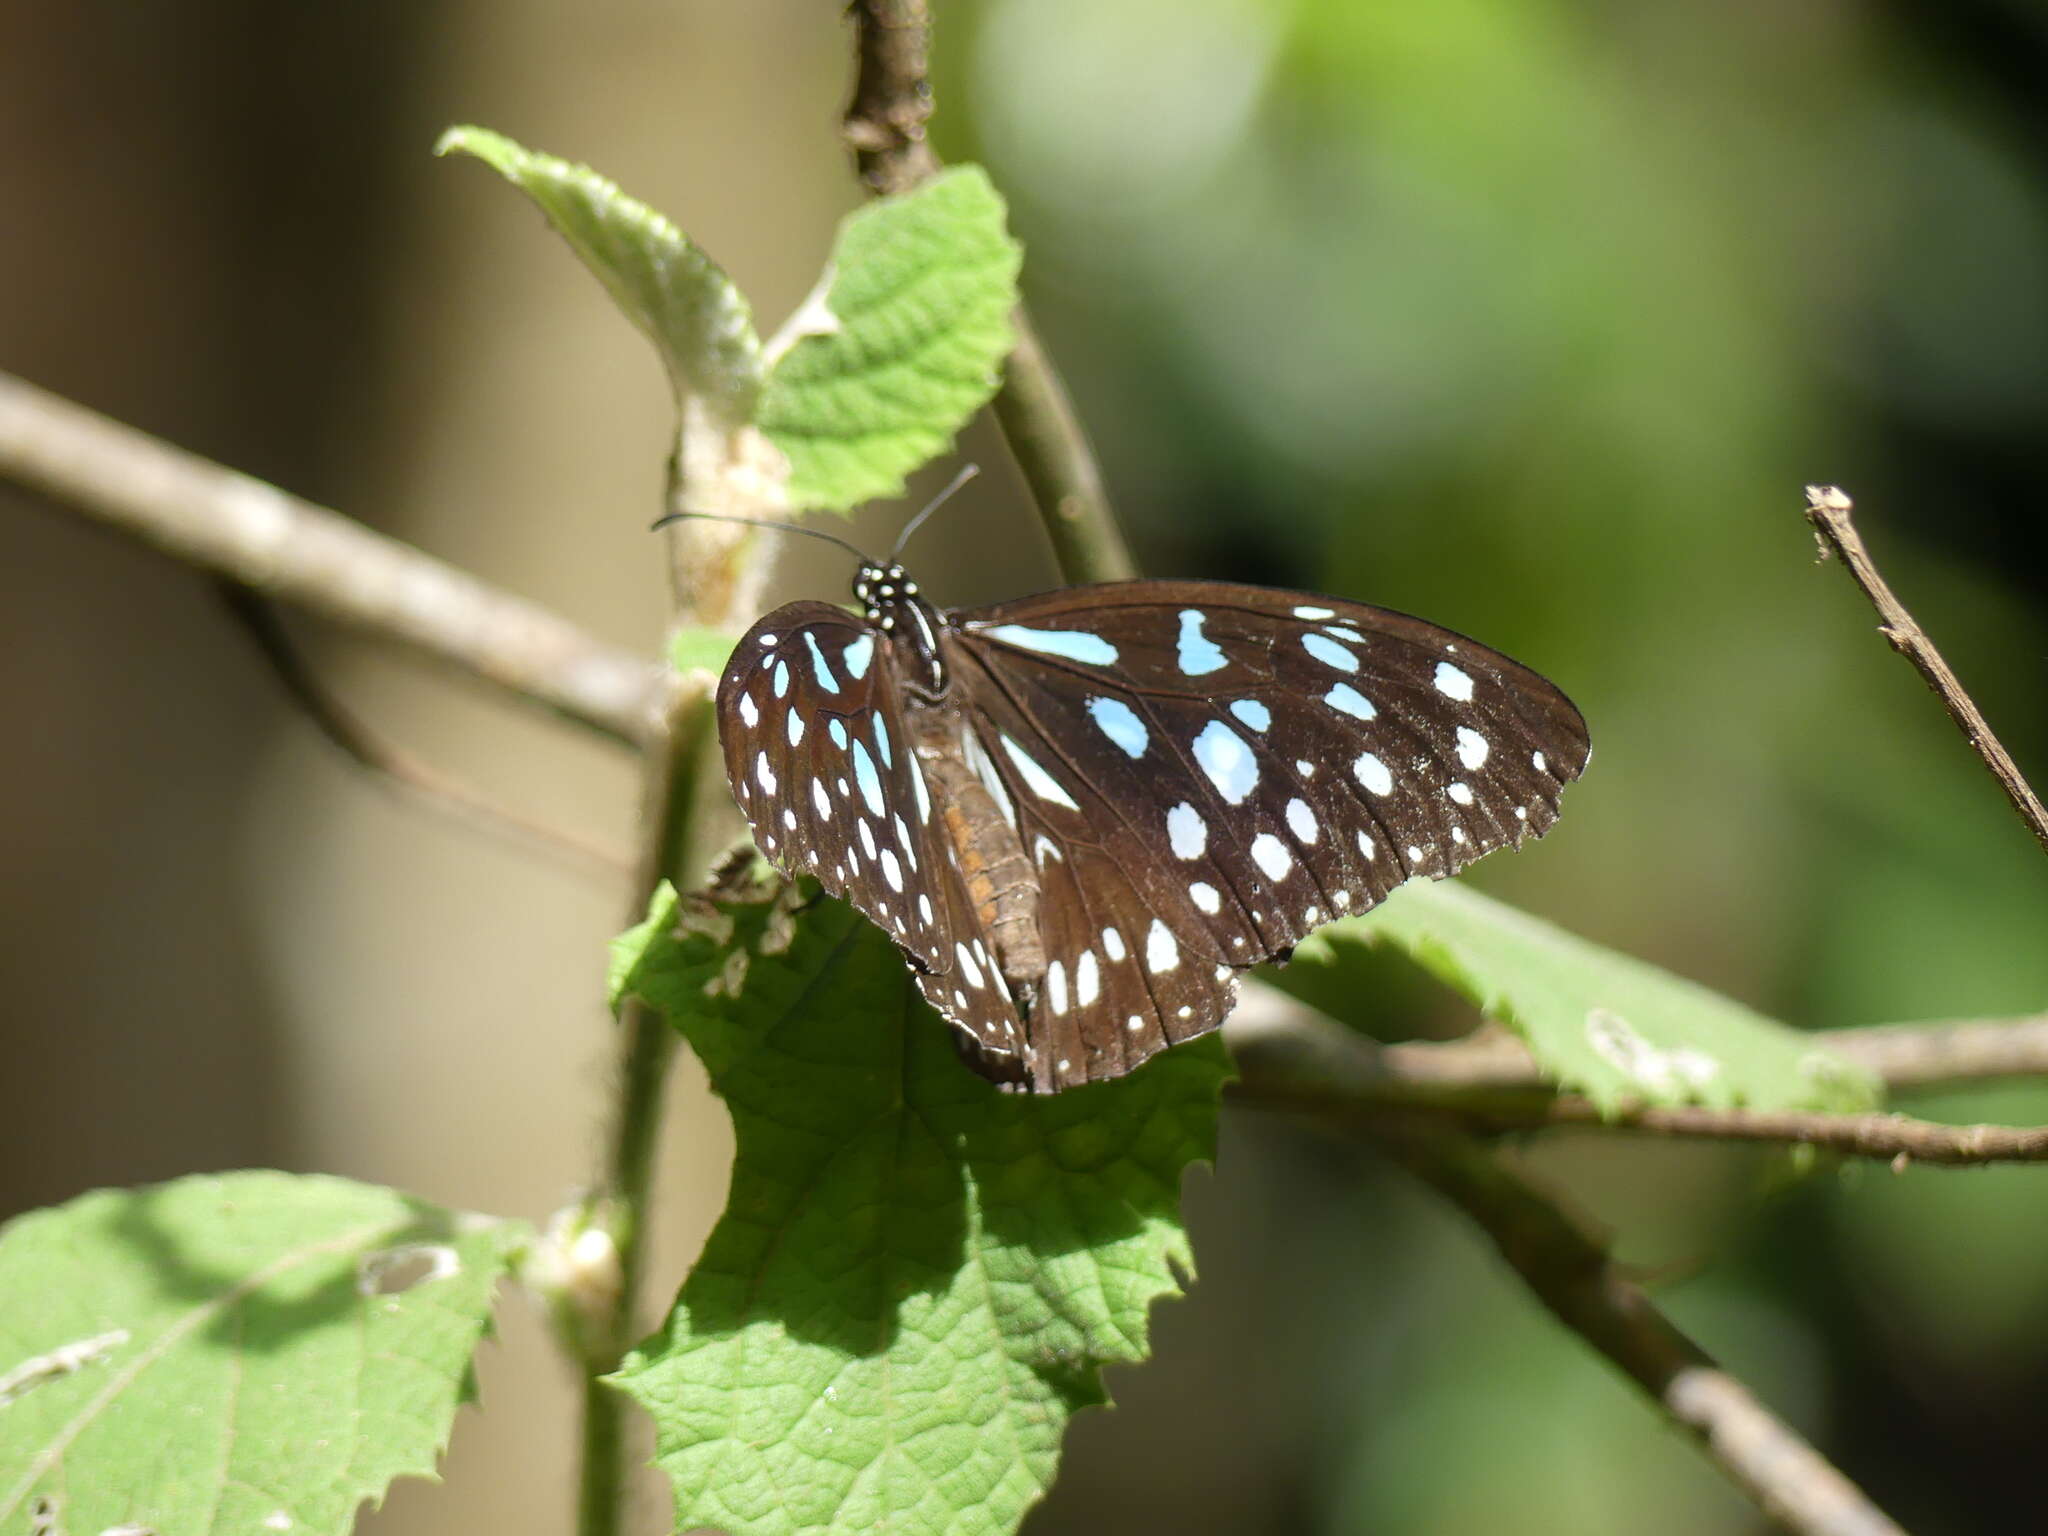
(243, 1352)
(1614, 1028)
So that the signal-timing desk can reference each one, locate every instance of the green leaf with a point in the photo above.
(917, 1278)
(665, 285)
(700, 650)
(246, 1352)
(1616, 1029)
(875, 374)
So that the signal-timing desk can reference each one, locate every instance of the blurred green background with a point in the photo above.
(1532, 318)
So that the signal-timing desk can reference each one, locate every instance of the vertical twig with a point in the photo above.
(619, 1208)
(885, 127)
(1828, 509)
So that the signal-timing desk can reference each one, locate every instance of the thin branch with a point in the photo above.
(1900, 1138)
(1492, 1061)
(214, 518)
(885, 127)
(1933, 1055)
(1828, 509)
(1293, 1058)
(1051, 449)
(892, 97)
(1579, 1281)
(389, 764)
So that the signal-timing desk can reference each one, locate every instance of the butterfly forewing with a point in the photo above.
(818, 752)
(1188, 776)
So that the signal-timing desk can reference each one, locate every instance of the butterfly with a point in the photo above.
(1083, 814)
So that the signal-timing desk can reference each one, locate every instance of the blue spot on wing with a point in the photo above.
(864, 775)
(858, 655)
(1329, 652)
(1198, 653)
(1120, 723)
(1228, 761)
(1069, 644)
(1252, 713)
(1347, 698)
(826, 680)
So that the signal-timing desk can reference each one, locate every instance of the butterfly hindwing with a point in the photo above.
(1250, 764)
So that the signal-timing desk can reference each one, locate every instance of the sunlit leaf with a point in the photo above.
(665, 285)
(901, 344)
(253, 1352)
(1614, 1028)
(917, 1278)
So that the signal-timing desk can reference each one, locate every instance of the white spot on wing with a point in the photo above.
(856, 656)
(1271, 855)
(763, 774)
(1453, 683)
(892, 871)
(1087, 979)
(750, 711)
(1162, 953)
(1472, 747)
(1315, 613)
(796, 727)
(967, 966)
(1373, 774)
(1301, 821)
(1206, 896)
(1228, 761)
(1056, 986)
(1113, 944)
(1460, 792)
(1040, 783)
(1186, 832)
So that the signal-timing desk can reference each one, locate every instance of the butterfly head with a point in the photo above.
(889, 600)
(883, 591)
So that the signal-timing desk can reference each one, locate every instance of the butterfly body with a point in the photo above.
(1082, 814)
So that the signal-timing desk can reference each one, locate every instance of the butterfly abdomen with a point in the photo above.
(990, 858)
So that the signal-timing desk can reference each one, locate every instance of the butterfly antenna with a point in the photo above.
(967, 473)
(763, 522)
